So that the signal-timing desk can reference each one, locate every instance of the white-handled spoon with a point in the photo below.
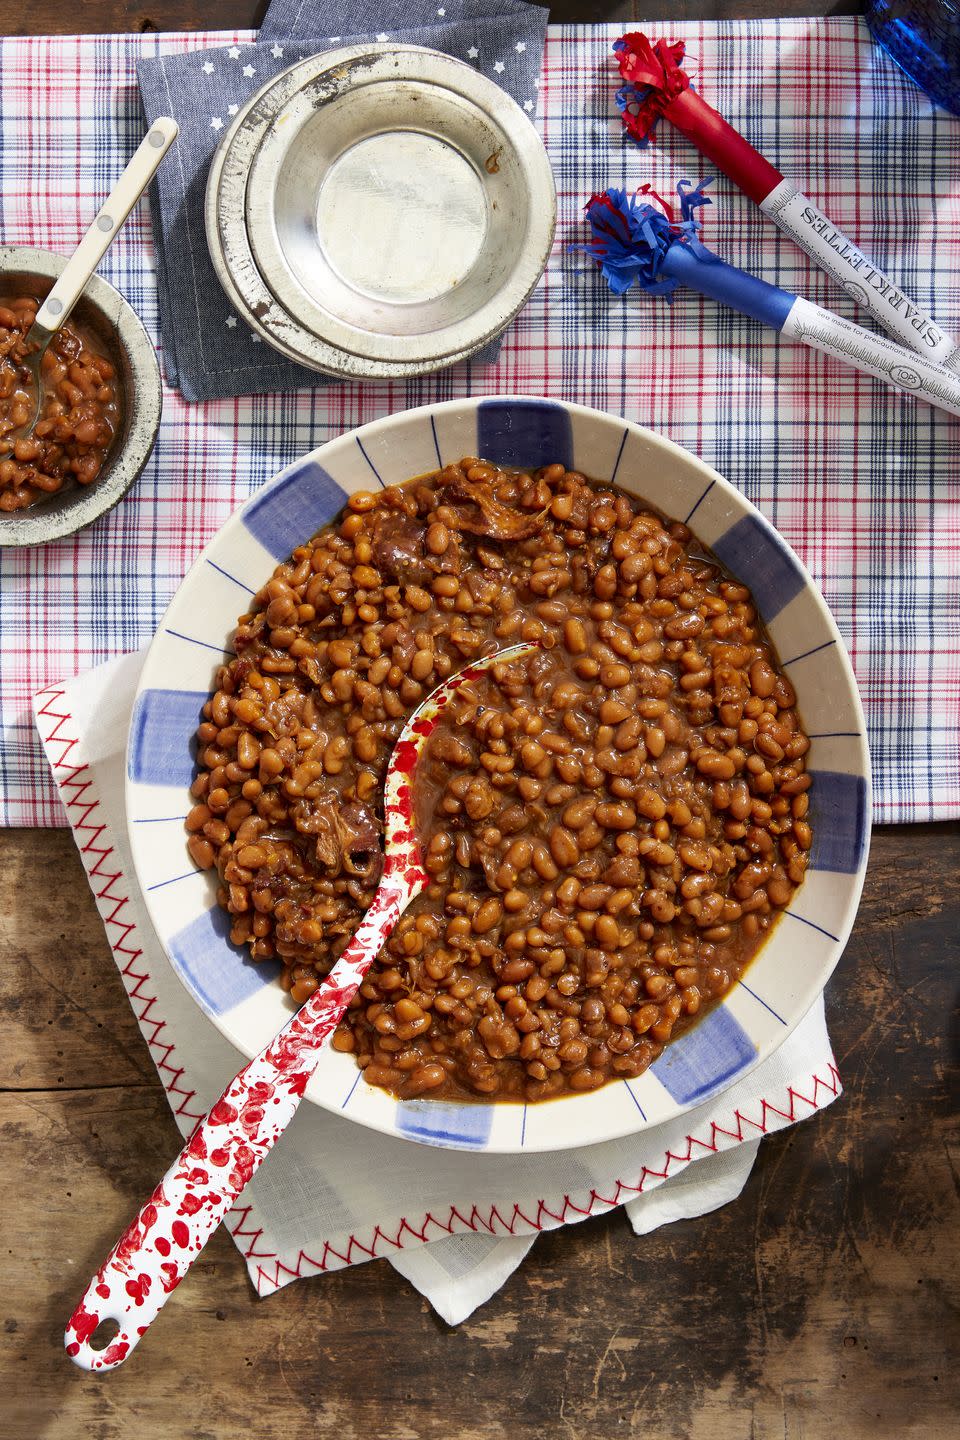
(228, 1146)
(73, 279)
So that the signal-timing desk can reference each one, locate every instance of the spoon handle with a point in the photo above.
(223, 1153)
(88, 254)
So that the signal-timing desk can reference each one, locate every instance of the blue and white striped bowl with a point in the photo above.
(242, 999)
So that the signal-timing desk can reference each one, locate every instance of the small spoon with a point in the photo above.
(73, 278)
(227, 1147)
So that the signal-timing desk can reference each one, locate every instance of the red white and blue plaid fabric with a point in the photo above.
(863, 483)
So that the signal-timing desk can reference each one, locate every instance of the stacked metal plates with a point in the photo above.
(380, 211)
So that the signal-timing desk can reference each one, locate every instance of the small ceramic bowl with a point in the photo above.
(25, 270)
(244, 1001)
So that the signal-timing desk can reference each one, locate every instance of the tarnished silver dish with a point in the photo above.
(380, 211)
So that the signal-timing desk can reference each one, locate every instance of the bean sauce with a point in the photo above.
(610, 825)
(79, 412)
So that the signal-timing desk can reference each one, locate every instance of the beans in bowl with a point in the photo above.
(611, 824)
(79, 414)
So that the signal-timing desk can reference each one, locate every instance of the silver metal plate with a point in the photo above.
(380, 211)
(411, 187)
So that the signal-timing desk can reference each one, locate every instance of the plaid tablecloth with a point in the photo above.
(863, 483)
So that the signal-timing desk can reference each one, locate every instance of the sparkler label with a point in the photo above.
(815, 233)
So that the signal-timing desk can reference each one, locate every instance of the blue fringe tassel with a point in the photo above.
(630, 237)
(691, 199)
(629, 98)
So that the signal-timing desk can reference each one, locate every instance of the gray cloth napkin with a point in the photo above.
(209, 350)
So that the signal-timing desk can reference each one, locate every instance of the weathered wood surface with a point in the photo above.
(823, 1303)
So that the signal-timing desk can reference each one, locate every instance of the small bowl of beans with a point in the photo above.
(646, 838)
(99, 406)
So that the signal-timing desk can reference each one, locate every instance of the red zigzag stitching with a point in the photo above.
(81, 803)
(493, 1223)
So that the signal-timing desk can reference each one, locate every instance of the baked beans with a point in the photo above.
(79, 412)
(610, 824)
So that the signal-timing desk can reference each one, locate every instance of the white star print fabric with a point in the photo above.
(208, 351)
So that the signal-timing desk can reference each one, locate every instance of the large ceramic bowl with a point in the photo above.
(243, 1000)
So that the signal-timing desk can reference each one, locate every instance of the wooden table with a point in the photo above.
(822, 1303)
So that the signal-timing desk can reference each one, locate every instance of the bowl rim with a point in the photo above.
(227, 222)
(667, 448)
(39, 525)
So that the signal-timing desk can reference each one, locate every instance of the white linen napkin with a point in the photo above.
(333, 1194)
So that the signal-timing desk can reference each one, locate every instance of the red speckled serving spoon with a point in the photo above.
(158, 1248)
